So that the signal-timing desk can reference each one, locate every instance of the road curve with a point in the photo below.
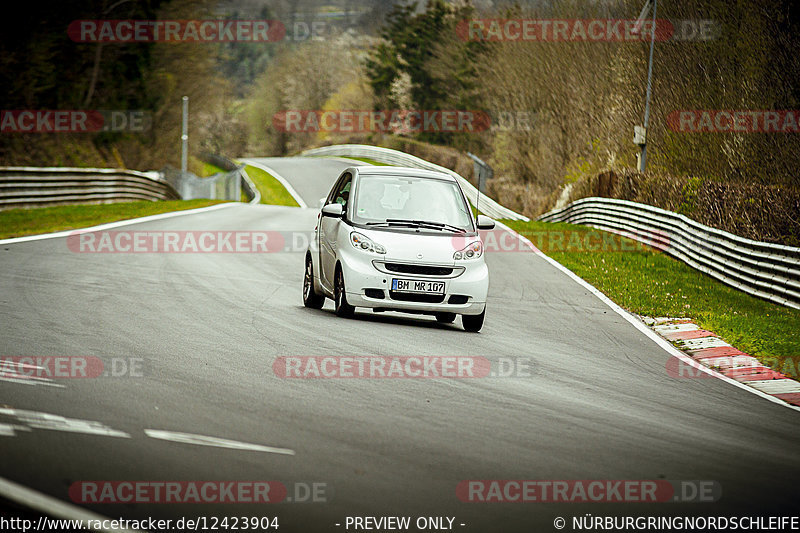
(597, 403)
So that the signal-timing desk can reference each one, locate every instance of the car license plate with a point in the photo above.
(418, 286)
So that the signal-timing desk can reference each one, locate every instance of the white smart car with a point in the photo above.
(398, 239)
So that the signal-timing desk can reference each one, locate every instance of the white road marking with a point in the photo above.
(703, 343)
(9, 430)
(10, 371)
(775, 386)
(641, 326)
(657, 321)
(731, 361)
(116, 224)
(30, 380)
(39, 420)
(351, 162)
(284, 181)
(674, 328)
(51, 506)
(15, 366)
(202, 440)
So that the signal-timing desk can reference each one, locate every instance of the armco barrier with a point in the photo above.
(247, 186)
(395, 157)
(42, 186)
(219, 186)
(770, 271)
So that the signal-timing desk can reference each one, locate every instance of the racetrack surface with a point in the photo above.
(598, 403)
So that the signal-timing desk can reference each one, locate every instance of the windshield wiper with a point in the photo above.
(427, 224)
(393, 223)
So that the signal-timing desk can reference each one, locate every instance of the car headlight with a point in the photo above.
(472, 251)
(362, 242)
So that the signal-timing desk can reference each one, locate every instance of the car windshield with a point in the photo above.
(411, 201)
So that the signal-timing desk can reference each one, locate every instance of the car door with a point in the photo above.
(329, 228)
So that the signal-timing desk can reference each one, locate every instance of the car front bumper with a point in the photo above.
(465, 293)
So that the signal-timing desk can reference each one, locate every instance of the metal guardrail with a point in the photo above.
(42, 186)
(247, 186)
(395, 157)
(770, 271)
(220, 186)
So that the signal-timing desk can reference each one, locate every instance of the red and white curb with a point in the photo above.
(706, 348)
(639, 323)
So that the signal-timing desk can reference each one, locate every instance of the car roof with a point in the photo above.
(402, 171)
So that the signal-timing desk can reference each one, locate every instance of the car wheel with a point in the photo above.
(445, 318)
(473, 323)
(310, 297)
(343, 308)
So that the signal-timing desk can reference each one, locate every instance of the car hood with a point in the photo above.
(421, 247)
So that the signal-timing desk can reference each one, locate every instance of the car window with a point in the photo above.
(341, 192)
(398, 197)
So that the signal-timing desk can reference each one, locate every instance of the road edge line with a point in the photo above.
(642, 327)
(50, 506)
(281, 179)
(116, 224)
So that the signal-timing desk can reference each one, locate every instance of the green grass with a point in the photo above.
(272, 191)
(21, 222)
(650, 283)
(210, 170)
(368, 161)
(362, 159)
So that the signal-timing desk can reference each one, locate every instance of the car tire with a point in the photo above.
(445, 318)
(343, 309)
(473, 323)
(310, 297)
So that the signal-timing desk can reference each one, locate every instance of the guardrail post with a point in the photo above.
(185, 135)
(766, 270)
(483, 172)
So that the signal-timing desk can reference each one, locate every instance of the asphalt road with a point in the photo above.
(311, 182)
(597, 402)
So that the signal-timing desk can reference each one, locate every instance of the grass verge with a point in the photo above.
(368, 161)
(21, 222)
(651, 283)
(272, 191)
(211, 169)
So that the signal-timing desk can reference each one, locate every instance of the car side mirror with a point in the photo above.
(321, 203)
(335, 210)
(485, 222)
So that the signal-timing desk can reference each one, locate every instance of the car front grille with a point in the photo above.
(374, 293)
(424, 270)
(411, 297)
